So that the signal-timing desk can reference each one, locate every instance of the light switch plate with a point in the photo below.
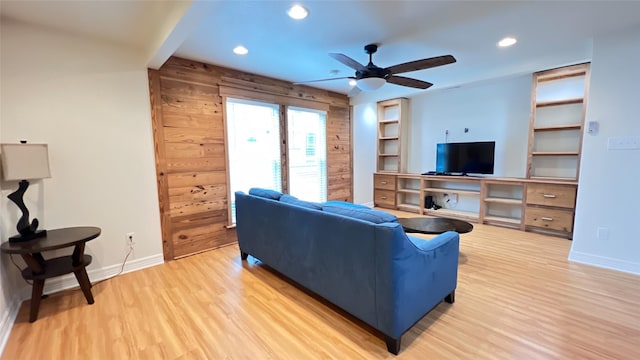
(623, 143)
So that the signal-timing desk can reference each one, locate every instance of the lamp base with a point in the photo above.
(28, 237)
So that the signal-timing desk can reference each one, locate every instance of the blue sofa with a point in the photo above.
(374, 271)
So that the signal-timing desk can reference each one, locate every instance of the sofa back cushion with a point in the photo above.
(345, 204)
(289, 199)
(265, 193)
(371, 215)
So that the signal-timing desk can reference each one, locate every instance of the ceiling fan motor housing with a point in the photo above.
(372, 71)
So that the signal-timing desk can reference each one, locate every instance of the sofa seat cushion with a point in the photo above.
(371, 215)
(265, 193)
(289, 199)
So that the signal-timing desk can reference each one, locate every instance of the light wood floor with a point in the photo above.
(517, 298)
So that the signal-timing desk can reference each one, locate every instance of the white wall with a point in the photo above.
(90, 102)
(365, 134)
(492, 111)
(609, 194)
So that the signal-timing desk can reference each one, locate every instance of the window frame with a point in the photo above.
(284, 103)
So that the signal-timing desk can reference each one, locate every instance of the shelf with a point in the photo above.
(558, 127)
(465, 215)
(572, 181)
(554, 153)
(452, 191)
(560, 102)
(559, 74)
(409, 208)
(504, 220)
(388, 138)
(409, 191)
(503, 201)
(387, 155)
(388, 121)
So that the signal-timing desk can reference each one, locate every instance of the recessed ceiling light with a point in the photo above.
(506, 42)
(352, 82)
(240, 50)
(298, 12)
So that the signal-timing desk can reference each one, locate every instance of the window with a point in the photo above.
(311, 144)
(307, 152)
(253, 142)
(256, 156)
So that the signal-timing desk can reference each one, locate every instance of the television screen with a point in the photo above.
(465, 158)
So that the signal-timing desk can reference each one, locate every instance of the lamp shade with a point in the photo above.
(370, 83)
(25, 161)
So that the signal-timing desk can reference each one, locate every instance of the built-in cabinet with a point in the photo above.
(502, 203)
(384, 191)
(409, 193)
(543, 201)
(551, 207)
(392, 127)
(449, 193)
(525, 204)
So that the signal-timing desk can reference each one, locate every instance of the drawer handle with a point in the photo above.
(383, 182)
(383, 197)
(547, 218)
(551, 196)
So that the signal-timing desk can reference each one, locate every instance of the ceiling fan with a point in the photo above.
(372, 77)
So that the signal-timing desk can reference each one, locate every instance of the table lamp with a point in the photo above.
(24, 162)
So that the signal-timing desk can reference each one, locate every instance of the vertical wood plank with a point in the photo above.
(161, 163)
(190, 136)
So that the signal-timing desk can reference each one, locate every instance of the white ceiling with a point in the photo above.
(550, 34)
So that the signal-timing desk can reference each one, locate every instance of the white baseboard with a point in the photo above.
(368, 204)
(7, 320)
(605, 262)
(69, 281)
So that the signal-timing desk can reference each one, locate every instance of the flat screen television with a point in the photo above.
(465, 158)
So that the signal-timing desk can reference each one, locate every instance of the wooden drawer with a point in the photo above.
(560, 220)
(552, 195)
(387, 182)
(384, 198)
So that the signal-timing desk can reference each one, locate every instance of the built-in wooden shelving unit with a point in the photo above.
(392, 126)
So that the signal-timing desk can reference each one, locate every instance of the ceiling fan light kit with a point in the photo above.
(507, 41)
(298, 12)
(372, 77)
(370, 83)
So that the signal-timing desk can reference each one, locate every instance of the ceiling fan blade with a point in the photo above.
(312, 81)
(348, 61)
(421, 64)
(405, 81)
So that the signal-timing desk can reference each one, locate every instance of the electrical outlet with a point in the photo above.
(130, 238)
(603, 233)
(450, 199)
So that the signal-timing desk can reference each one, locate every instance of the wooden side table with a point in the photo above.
(39, 269)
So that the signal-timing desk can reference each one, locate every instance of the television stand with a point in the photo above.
(543, 205)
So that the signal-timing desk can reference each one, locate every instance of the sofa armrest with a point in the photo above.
(424, 273)
(436, 242)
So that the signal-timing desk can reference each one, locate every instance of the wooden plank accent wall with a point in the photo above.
(189, 137)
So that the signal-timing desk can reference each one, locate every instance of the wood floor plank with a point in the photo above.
(517, 298)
